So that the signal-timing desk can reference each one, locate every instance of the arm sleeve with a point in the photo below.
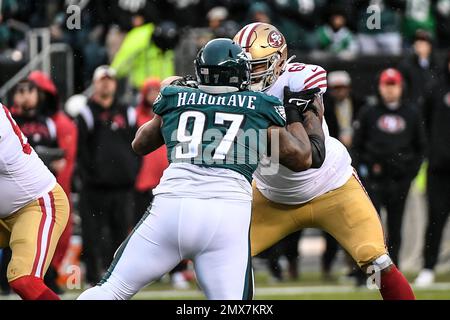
(160, 107)
(318, 151)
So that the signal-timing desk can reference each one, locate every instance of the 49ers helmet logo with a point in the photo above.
(275, 39)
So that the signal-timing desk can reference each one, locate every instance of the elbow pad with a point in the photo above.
(317, 151)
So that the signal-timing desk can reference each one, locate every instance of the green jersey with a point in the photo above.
(226, 131)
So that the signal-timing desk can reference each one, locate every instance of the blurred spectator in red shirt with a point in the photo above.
(67, 136)
(154, 164)
(66, 129)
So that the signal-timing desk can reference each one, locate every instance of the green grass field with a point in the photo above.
(294, 295)
(309, 287)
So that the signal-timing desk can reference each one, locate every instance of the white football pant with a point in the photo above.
(214, 233)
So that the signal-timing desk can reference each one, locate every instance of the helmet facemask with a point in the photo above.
(221, 75)
(266, 71)
(262, 80)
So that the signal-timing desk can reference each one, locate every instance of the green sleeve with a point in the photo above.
(160, 105)
(166, 100)
(277, 115)
(273, 110)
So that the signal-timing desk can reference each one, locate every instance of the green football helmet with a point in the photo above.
(222, 66)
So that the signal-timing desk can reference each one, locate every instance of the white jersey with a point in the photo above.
(293, 188)
(23, 176)
(192, 181)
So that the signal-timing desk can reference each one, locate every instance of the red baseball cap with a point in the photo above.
(391, 76)
(43, 82)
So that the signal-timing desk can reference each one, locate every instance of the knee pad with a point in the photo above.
(366, 254)
(382, 262)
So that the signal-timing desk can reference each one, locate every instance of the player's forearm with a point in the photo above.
(148, 138)
(313, 127)
(312, 124)
(294, 148)
(299, 136)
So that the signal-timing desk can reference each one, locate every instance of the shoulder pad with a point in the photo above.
(173, 90)
(170, 90)
(310, 76)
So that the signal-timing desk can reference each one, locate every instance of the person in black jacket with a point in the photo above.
(108, 168)
(388, 148)
(438, 186)
(419, 69)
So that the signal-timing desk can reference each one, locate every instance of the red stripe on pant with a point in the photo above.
(39, 239)
(50, 231)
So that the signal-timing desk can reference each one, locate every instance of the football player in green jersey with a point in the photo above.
(215, 135)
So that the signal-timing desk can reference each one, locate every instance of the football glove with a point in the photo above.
(186, 81)
(303, 101)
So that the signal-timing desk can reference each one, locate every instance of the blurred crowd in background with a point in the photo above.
(124, 48)
(342, 27)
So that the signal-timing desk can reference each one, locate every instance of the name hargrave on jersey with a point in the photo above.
(198, 99)
(228, 131)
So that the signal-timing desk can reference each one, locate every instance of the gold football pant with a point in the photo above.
(33, 232)
(345, 213)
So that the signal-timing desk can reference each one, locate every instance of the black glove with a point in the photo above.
(302, 101)
(186, 81)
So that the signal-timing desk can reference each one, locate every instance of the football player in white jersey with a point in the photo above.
(330, 198)
(34, 211)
